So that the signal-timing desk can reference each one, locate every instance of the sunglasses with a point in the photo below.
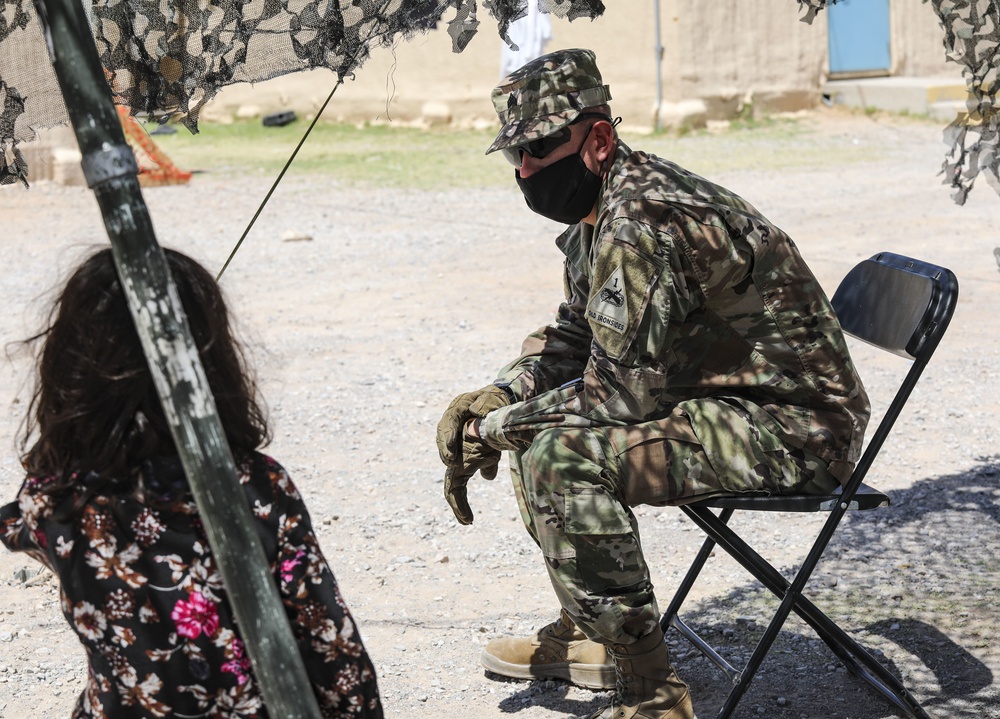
(544, 145)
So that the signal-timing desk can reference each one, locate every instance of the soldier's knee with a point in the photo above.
(558, 458)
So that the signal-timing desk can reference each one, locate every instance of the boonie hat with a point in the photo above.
(546, 95)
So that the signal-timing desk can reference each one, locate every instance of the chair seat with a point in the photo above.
(866, 497)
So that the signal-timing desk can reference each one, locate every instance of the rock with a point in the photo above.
(684, 114)
(248, 112)
(435, 113)
(295, 236)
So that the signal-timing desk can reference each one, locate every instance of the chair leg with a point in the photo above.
(671, 618)
(853, 654)
(692, 575)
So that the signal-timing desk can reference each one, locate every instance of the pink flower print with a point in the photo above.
(41, 539)
(289, 564)
(195, 616)
(240, 664)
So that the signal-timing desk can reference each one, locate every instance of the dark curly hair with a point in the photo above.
(95, 418)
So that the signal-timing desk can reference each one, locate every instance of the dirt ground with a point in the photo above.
(401, 299)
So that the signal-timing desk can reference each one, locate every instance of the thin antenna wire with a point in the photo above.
(276, 181)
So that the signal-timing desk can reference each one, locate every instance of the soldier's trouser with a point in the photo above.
(575, 487)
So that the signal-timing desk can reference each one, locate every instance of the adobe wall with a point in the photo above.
(918, 41)
(423, 79)
(765, 55)
(717, 57)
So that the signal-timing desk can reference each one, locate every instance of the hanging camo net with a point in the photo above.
(166, 58)
(972, 39)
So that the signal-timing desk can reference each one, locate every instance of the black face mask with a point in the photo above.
(565, 191)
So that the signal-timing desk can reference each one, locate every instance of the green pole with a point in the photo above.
(111, 172)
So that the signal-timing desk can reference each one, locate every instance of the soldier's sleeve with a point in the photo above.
(644, 286)
(557, 353)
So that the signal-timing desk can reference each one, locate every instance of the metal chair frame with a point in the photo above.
(900, 305)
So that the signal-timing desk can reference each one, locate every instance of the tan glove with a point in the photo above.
(463, 408)
(474, 456)
(463, 454)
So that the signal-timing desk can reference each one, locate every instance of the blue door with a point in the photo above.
(859, 36)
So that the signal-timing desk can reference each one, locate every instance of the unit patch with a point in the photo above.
(609, 306)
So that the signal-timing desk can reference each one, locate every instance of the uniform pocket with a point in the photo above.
(742, 453)
(594, 510)
(602, 531)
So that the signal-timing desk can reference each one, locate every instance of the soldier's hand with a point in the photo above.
(463, 408)
(473, 456)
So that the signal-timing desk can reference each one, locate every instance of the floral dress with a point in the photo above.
(140, 587)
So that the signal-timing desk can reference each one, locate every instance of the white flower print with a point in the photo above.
(147, 527)
(89, 621)
(64, 548)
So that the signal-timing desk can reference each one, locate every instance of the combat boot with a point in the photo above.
(648, 687)
(558, 651)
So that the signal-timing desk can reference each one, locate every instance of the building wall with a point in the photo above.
(766, 56)
(918, 41)
(719, 58)
(762, 56)
(423, 79)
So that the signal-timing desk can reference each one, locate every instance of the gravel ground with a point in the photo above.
(401, 299)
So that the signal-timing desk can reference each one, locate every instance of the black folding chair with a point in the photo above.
(902, 306)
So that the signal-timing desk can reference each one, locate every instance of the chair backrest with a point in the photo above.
(903, 306)
(897, 303)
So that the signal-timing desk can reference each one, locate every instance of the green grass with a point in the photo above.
(401, 157)
(376, 155)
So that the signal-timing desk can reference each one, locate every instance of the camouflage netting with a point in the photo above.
(812, 8)
(972, 39)
(166, 58)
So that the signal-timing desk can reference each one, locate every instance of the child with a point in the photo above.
(107, 508)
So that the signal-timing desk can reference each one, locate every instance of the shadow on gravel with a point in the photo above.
(551, 694)
(957, 672)
(915, 584)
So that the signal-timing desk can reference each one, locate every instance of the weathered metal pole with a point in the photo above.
(111, 171)
(658, 49)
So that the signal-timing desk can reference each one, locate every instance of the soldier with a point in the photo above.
(695, 354)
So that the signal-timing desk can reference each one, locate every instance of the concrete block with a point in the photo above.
(218, 113)
(66, 166)
(435, 113)
(38, 155)
(914, 95)
(683, 114)
(248, 112)
(947, 111)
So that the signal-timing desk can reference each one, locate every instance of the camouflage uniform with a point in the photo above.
(695, 354)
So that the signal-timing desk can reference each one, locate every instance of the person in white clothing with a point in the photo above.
(530, 34)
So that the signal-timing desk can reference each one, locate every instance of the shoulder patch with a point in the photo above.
(609, 305)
